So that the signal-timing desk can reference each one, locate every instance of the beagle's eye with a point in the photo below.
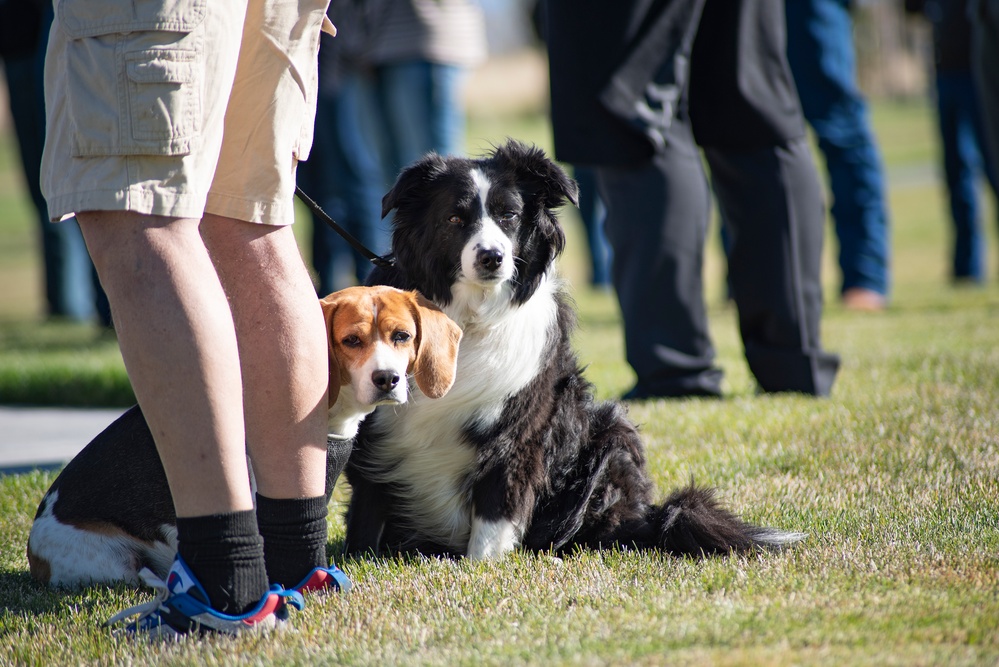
(351, 341)
(455, 220)
(400, 337)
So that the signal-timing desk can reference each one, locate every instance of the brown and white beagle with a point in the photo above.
(378, 336)
(109, 513)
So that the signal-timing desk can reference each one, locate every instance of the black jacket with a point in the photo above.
(622, 72)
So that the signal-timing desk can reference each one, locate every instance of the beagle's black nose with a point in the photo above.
(385, 380)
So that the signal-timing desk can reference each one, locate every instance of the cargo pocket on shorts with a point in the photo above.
(134, 75)
(164, 106)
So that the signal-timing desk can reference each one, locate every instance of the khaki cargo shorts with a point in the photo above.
(180, 107)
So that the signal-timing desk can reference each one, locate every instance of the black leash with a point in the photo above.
(377, 260)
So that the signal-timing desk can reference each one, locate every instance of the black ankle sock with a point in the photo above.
(294, 532)
(226, 553)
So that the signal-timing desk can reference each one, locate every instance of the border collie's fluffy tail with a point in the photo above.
(692, 523)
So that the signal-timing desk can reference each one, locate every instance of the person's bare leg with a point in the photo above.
(282, 343)
(179, 345)
(283, 351)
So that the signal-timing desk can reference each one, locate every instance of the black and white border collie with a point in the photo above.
(518, 453)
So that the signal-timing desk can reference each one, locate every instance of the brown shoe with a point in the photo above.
(858, 298)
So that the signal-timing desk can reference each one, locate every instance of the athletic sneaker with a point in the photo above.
(329, 578)
(181, 606)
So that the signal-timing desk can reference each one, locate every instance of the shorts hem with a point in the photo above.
(166, 204)
(278, 214)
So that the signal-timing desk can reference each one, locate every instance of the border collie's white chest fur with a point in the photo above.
(422, 445)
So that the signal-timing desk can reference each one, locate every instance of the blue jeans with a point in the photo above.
(343, 175)
(963, 140)
(821, 55)
(593, 214)
(421, 111)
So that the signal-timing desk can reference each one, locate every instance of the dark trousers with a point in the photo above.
(770, 197)
(656, 222)
(984, 56)
(962, 135)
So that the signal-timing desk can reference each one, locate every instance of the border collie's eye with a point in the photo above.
(351, 341)
(401, 337)
(455, 220)
(509, 216)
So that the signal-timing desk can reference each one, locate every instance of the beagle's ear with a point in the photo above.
(437, 341)
(329, 304)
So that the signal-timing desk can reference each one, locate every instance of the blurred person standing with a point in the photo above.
(636, 88)
(419, 54)
(343, 172)
(820, 51)
(71, 287)
(962, 132)
(985, 56)
(592, 212)
(593, 215)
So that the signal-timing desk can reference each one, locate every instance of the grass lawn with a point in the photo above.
(895, 478)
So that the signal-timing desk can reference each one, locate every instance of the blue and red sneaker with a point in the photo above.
(329, 578)
(181, 607)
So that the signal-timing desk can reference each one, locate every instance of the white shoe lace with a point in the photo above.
(144, 609)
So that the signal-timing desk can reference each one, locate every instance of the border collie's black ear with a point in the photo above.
(556, 187)
(416, 174)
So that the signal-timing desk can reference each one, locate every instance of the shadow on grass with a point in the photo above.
(23, 596)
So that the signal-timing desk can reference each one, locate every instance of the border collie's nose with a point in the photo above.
(489, 259)
(385, 380)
